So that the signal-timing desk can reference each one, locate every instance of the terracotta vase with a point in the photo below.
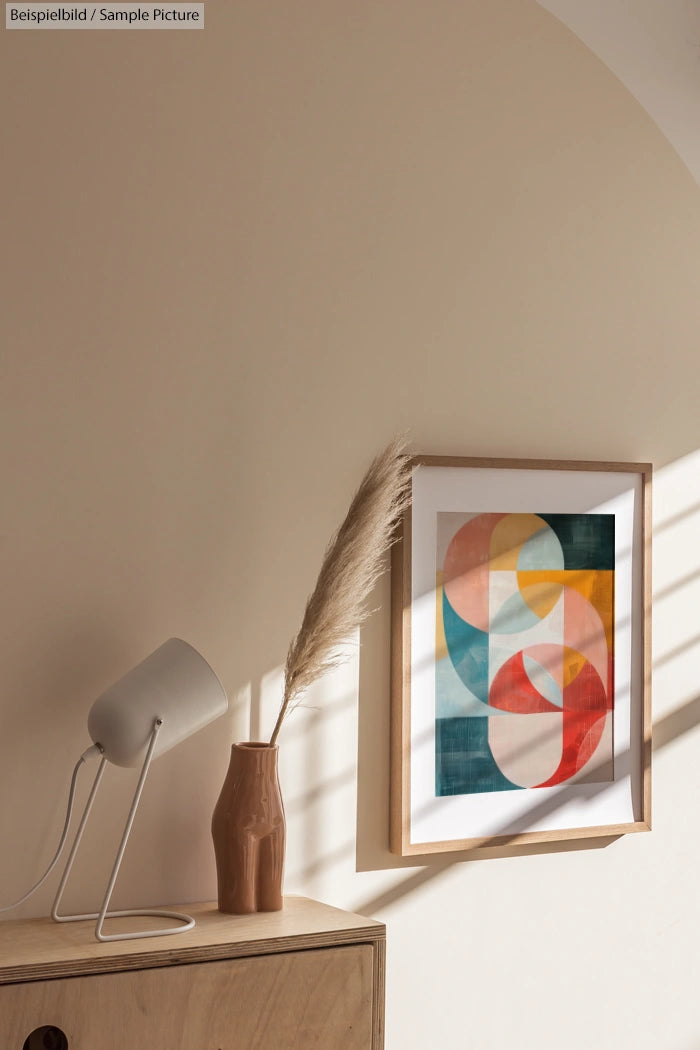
(248, 828)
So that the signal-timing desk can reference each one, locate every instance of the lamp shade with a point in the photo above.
(175, 684)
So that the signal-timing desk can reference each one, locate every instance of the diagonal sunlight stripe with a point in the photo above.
(664, 732)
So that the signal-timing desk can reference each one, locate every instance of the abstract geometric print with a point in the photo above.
(524, 651)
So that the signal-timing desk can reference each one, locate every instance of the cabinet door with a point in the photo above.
(309, 1000)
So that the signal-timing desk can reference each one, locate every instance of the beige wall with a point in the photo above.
(653, 49)
(235, 263)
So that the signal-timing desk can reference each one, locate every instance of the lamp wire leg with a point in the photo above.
(104, 913)
(74, 849)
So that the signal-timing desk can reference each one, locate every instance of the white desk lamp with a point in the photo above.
(163, 700)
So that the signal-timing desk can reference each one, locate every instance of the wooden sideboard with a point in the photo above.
(309, 977)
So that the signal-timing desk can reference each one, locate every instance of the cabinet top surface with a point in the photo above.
(33, 949)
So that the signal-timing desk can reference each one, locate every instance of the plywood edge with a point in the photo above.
(378, 995)
(40, 949)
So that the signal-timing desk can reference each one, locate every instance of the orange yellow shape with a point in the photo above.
(573, 663)
(541, 597)
(508, 537)
(595, 585)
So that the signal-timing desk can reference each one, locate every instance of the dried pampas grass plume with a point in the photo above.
(351, 566)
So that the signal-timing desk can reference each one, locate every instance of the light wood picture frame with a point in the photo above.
(521, 607)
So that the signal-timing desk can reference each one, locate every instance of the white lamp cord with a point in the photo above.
(91, 751)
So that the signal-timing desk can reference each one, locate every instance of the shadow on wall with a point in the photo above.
(334, 754)
(676, 590)
(338, 828)
(665, 731)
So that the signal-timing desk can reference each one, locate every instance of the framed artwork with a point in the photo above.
(520, 654)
